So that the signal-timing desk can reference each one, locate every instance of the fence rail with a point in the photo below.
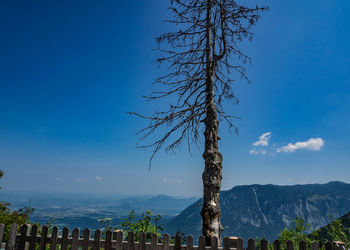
(30, 240)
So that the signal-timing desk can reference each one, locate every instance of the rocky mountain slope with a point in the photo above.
(252, 211)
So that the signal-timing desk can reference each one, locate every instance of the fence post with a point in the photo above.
(251, 244)
(233, 241)
(108, 242)
(264, 244)
(97, 240)
(53, 244)
(119, 240)
(214, 243)
(328, 246)
(22, 238)
(240, 244)
(276, 245)
(154, 241)
(302, 245)
(166, 241)
(226, 244)
(289, 245)
(142, 243)
(189, 242)
(131, 239)
(315, 245)
(177, 245)
(86, 238)
(43, 239)
(201, 243)
(11, 242)
(64, 242)
(33, 236)
(75, 238)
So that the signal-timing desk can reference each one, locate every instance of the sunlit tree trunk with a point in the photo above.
(212, 175)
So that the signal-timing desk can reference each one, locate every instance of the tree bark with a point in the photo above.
(212, 175)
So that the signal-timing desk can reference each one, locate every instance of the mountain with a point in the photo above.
(162, 204)
(158, 201)
(252, 211)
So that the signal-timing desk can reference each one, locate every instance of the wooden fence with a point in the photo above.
(31, 240)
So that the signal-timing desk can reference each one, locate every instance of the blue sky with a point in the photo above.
(70, 70)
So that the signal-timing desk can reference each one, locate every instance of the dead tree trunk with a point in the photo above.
(199, 55)
(212, 174)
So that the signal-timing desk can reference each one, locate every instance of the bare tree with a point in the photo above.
(200, 58)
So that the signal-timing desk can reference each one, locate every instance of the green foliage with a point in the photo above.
(334, 231)
(296, 233)
(8, 217)
(258, 243)
(105, 223)
(148, 224)
(50, 224)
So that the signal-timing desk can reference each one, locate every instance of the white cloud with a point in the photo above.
(98, 178)
(313, 144)
(263, 140)
(255, 151)
(165, 180)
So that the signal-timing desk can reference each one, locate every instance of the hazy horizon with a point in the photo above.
(70, 72)
(140, 195)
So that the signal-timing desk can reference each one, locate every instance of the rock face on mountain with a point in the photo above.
(264, 210)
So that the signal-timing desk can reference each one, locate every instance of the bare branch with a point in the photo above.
(185, 53)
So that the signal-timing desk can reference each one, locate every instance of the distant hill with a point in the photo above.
(252, 211)
(162, 204)
(84, 210)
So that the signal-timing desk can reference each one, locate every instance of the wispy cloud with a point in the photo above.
(263, 140)
(170, 181)
(262, 146)
(257, 151)
(98, 178)
(313, 144)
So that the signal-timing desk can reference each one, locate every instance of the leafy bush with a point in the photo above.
(148, 224)
(296, 233)
(334, 231)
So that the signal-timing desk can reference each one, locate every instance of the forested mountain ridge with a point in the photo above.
(344, 223)
(252, 211)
